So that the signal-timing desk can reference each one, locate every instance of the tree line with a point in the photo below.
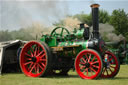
(118, 19)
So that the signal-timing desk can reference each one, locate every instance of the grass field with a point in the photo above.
(72, 79)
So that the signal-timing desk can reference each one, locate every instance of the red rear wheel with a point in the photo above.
(88, 64)
(34, 59)
(111, 65)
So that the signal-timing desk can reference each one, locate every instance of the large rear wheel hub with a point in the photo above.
(87, 65)
(34, 59)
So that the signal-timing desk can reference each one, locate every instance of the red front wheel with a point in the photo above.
(88, 64)
(111, 65)
(34, 59)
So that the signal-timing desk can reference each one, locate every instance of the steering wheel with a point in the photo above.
(59, 33)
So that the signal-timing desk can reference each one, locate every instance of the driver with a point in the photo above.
(86, 30)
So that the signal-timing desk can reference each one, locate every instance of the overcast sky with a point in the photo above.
(15, 14)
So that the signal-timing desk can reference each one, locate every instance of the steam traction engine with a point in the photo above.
(62, 50)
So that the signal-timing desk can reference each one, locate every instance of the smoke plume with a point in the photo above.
(107, 30)
(71, 23)
(15, 14)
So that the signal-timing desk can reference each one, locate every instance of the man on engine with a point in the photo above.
(86, 30)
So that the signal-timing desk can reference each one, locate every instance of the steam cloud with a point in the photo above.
(38, 14)
(37, 29)
(108, 31)
(15, 14)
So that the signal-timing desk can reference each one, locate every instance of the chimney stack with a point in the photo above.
(95, 20)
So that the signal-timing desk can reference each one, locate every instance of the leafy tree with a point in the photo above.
(87, 18)
(126, 36)
(84, 18)
(5, 35)
(22, 35)
(119, 20)
(103, 16)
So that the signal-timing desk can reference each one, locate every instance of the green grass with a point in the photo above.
(72, 79)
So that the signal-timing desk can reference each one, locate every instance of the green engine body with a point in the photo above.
(64, 41)
(65, 46)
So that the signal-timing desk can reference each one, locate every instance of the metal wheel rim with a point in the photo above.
(108, 72)
(95, 60)
(29, 66)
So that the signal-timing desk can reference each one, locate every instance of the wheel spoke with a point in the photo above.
(55, 32)
(110, 59)
(32, 49)
(91, 72)
(110, 70)
(87, 71)
(40, 66)
(42, 59)
(93, 59)
(82, 63)
(112, 62)
(28, 59)
(95, 62)
(86, 56)
(107, 71)
(28, 63)
(38, 49)
(31, 53)
(95, 66)
(83, 60)
(40, 53)
(93, 69)
(104, 70)
(82, 67)
(89, 58)
(35, 68)
(84, 71)
(112, 66)
(32, 68)
(62, 32)
(35, 51)
(28, 54)
(43, 64)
